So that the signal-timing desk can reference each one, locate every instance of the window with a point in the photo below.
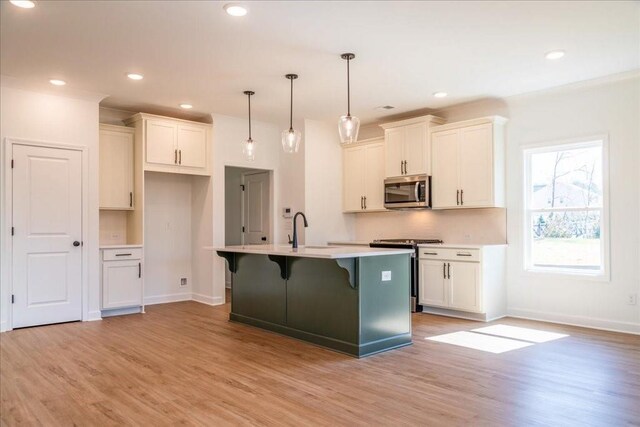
(565, 203)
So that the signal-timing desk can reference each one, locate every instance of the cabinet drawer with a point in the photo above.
(121, 254)
(450, 254)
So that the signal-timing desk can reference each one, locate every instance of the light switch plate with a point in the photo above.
(386, 276)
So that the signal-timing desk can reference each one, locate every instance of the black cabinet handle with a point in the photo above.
(444, 270)
(175, 156)
(448, 271)
(139, 270)
(76, 243)
(179, 157)
(461, 197)
(123, 254)
(457, 197)
(365, 202)
(130, 199)
(361, 202)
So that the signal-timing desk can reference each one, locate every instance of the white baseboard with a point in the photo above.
(93, 315)
(121, 311)
(4, 326)
(582, 321)
(206, 299)
(162, 299)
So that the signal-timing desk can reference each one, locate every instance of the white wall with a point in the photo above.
(167, 237)
(611, 108)
(228, 134)
(43, 117)
(323, 185)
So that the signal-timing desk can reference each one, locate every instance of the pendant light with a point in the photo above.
(348, 126)
(291, 138)
(249, 146)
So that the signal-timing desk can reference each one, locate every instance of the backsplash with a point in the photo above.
(478, 226)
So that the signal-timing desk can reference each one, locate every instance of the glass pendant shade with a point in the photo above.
(291, 140)
(249, 150)
(348, 127)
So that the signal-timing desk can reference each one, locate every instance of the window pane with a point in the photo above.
(566, 240)
(567, 178)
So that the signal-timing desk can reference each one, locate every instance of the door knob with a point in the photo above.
(264, 239)
(76, 243)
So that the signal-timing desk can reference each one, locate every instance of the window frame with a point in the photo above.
(602, 274)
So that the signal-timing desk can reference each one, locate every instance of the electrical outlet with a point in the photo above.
(633, 299)
(183, 281)
(386, 276)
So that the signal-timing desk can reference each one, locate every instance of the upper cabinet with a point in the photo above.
(173, 145)
(408, 146)
(363, 176)
(468, 164)
(116, 167)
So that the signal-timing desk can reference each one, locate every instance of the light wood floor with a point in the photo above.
(185, 363)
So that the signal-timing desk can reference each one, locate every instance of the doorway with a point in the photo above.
(248, 208)
(46, 214)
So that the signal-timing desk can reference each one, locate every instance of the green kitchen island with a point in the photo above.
(354, 300)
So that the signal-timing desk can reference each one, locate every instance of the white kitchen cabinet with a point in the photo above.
(116, 167)
(463, 280)
(407, 146)
(468, 164)
(363, 176)
(173, 145)
(122, 283)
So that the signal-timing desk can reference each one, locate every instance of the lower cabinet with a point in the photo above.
(122, 284)
(463, 279)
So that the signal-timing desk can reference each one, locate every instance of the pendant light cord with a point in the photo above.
(291, 109)
(249, 95)
(348, 91)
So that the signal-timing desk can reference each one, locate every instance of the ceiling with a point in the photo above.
(192, 51)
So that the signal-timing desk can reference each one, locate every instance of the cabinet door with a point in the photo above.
(476, 165)
(415, 142)
(192, 146)
(394, 151)
(444, 157)
(433, 285)
(161, 142)
(353, 177)
(464, 286)
(116, 170)
(374, 176)
(121, 284)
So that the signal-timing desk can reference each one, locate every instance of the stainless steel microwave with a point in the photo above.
(407, 192)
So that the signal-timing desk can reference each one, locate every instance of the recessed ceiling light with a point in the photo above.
(57, 82)
(186, 106)
(235, 9)
(135, 76)
(25, 4)
(440, 94)
(555, 54)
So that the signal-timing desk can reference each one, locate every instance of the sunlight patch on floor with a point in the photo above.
(524, 334)
(482, 342)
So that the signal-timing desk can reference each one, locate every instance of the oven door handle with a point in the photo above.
(416, 191)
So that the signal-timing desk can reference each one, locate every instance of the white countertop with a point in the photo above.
(312, 251)
(460, 246)
(119, 246)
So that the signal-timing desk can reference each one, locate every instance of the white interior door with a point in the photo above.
(47, 221)
(256, 209)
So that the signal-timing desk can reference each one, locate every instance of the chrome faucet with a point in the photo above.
(294, 243)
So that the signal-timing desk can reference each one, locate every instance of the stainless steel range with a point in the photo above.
(415, 276)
